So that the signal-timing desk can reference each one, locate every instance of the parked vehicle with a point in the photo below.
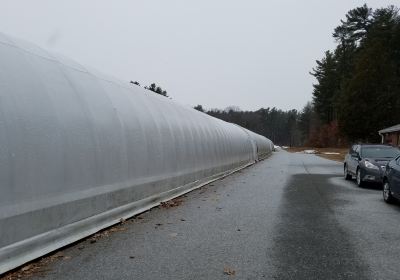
(391, 181)
(367, 162)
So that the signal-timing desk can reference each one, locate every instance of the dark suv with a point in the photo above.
(368, 162)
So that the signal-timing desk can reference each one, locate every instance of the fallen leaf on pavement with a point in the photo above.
(229, 271)
(171, 203)
(27, 267)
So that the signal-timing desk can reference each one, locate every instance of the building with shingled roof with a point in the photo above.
(391, 135)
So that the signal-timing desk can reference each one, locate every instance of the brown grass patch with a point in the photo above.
(321, 152)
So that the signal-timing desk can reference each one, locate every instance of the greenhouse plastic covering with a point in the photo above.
(80, 150)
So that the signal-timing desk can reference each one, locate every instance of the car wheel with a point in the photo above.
(347, 176)
(387, 193)
(359, 181)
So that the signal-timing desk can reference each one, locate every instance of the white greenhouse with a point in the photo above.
(80, 150)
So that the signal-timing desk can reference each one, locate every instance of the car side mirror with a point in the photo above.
(356, 156)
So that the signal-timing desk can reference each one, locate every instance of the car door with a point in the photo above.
(395, 177)
(349, 159)
(353, 159)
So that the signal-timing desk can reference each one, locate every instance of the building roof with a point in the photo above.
(390, 129)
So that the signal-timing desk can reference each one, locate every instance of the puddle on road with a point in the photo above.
(309, 243)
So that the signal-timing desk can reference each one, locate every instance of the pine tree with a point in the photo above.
(325, 93)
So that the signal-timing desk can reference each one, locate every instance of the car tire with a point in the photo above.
(387, 194)
(347, 176)
(359, 181)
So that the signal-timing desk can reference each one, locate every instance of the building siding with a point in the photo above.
(392, 138)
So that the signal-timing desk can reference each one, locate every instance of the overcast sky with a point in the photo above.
(216, 53)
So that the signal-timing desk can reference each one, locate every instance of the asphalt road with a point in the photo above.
(291, 216)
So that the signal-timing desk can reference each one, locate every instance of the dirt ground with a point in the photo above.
(321, 152)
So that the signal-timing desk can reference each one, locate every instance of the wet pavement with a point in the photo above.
(291, 216)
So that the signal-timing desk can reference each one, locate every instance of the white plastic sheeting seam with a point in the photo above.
(80, 150)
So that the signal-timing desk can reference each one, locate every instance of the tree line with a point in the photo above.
(282, 127)
(358, 83)
(356, 93)
(152, 87)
